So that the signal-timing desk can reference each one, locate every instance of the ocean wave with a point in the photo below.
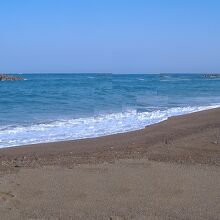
(90, 127)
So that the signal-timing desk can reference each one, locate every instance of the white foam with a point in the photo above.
(88, 127)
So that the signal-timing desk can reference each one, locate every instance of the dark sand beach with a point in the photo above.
(169, 170)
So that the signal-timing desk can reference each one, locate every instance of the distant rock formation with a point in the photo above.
(212, 75)
(4, 77)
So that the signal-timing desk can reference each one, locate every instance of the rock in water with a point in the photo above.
(212, 76)
(4, 77)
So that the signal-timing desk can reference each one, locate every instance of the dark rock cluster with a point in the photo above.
(210, 76)
(4, 77)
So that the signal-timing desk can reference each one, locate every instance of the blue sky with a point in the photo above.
(118, 36)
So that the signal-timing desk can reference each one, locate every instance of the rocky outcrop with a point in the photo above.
(4, 77)
(210, 76)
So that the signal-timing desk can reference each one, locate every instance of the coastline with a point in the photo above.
(168, 170)
(163, 133)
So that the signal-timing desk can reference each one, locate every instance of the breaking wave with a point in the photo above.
(90, 127)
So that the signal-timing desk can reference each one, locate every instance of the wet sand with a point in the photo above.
(169, 170)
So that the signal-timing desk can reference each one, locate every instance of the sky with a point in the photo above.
(109, 36)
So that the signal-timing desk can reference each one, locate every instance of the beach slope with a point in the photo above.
(169, 170)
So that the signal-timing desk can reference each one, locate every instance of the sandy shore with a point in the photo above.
(169, 170)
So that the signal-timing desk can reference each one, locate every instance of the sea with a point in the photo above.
(57, 107)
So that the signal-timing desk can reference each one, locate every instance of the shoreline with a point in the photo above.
(109, 135)
(128, 142)
(168, 170)
(89, 127)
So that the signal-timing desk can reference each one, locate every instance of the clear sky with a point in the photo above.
(118, 36)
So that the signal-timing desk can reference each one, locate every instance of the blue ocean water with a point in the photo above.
(55, 107)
